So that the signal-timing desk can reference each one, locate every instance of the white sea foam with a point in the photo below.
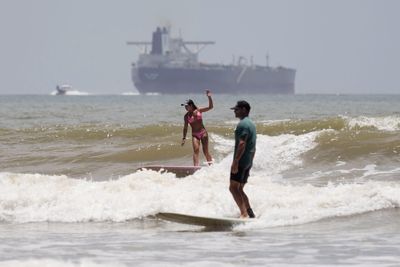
(387, 123)
(36, 197)
(153, 94)
(289, 205)
(274, 153)
(32, 198)
(274, 122)
(131, 93)
(368, 172)
(279, 153)
(72, 92)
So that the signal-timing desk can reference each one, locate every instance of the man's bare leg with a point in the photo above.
(236, 190)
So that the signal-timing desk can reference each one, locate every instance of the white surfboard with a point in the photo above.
(180, 171)
(214, 222)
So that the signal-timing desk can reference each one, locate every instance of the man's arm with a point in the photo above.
(239, 153)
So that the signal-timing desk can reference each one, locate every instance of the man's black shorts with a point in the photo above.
(242, 175)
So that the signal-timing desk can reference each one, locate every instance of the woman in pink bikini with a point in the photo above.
(199, 133)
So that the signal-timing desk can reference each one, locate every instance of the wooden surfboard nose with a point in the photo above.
(210, 222)
(179, 171)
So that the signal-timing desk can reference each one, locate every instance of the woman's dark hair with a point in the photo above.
(189, 102)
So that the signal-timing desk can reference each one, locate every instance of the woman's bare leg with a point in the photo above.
(196, 151)
(204, 143)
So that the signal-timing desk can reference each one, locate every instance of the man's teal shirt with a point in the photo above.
(245, 128)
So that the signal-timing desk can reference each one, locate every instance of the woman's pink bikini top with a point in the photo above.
(194, 118)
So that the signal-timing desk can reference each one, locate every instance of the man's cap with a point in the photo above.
(188, 102)
(242, 104)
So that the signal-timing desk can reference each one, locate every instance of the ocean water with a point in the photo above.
(325, 185)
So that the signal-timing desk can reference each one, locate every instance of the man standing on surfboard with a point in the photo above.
(245, 149)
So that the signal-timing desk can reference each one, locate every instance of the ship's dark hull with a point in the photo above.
(220, 79)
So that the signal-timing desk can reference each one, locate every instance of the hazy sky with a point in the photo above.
(337, 46)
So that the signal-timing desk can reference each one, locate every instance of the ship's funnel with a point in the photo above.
(165, 41)
(156, 45)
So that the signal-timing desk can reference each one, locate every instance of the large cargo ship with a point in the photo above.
(172, 67)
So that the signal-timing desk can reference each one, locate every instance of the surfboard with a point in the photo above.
(179, 171)
(212, 222)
